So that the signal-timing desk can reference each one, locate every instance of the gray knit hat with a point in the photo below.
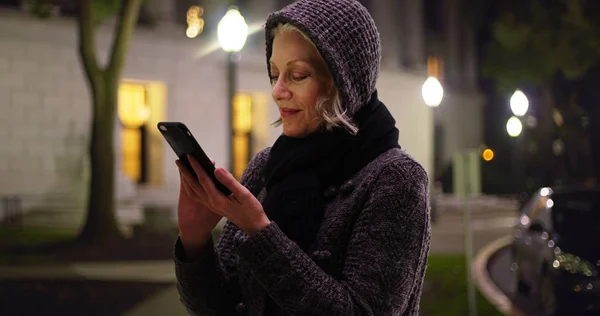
(346, 37)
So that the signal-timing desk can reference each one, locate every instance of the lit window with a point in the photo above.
(133, 113)
(242, 128)
(195, 22)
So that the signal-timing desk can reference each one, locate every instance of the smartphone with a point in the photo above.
(183, 144)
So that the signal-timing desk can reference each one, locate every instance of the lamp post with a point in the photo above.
(519, 104)
(433, 93)
(232, 32)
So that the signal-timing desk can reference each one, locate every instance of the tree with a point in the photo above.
(101, 224)
(550, 46)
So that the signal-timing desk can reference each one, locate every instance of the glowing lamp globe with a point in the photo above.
(514, 127)
(232, 31)
(519, 104)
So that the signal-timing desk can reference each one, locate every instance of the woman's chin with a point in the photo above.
(293, 131)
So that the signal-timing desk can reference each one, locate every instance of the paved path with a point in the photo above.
(165, 302)
(486, 226)
(143, 271)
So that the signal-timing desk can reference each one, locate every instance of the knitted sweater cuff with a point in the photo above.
(268, 242)
(185, 269)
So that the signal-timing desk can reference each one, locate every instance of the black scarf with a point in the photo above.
(299, 170)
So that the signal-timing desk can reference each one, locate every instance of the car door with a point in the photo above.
(522, 241)
(534, 222)
(539, 231)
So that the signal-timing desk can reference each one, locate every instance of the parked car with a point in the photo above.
(556, 251)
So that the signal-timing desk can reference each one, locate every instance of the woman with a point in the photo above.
(333, 219)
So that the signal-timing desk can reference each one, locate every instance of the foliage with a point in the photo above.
(550, 46)
(104, 9)
(533, 42)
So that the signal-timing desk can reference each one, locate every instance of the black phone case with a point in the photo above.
(183, 144)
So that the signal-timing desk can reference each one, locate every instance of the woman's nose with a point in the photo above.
(280, 90)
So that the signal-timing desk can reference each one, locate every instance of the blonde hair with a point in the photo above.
(329, 108)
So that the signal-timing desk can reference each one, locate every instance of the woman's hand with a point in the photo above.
(241, 207)
(194, 219)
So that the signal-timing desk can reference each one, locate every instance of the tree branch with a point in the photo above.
(87, 42)
(124, 30)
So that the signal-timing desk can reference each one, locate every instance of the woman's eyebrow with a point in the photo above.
(294, 61)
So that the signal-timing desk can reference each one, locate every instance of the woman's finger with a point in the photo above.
(184, 170)
(186, 186)
(203, 178)
(191, 182)
(229, 181)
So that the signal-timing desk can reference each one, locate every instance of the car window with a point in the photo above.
(543, 213)
(530, 206)
(537, 212)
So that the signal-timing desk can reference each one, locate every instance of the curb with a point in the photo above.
(486, 285)
(134, 271)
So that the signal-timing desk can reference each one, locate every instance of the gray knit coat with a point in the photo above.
(369, 257)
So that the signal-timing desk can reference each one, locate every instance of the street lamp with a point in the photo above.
(432, 92)
(514, 127)
(232, 32)
(519, 104)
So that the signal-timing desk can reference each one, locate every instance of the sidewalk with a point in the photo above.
(478, 204)
(142, 271)
(165, 302)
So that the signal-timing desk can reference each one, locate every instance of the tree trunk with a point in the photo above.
(101, 224)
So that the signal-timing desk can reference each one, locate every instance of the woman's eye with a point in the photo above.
(274, 78)
(299, 77)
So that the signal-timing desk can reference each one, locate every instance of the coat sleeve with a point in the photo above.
(385, 261)
(209, 285)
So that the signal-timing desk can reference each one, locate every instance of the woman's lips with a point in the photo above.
(287, 112)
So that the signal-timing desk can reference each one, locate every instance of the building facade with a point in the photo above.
(45, 102)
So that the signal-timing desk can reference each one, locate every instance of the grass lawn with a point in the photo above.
(12, 236)
(15, 238)
(38, 246)
(445, 289)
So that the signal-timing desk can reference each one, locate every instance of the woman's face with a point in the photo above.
(299, 77)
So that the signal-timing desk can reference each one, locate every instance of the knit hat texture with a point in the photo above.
(346, 37)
